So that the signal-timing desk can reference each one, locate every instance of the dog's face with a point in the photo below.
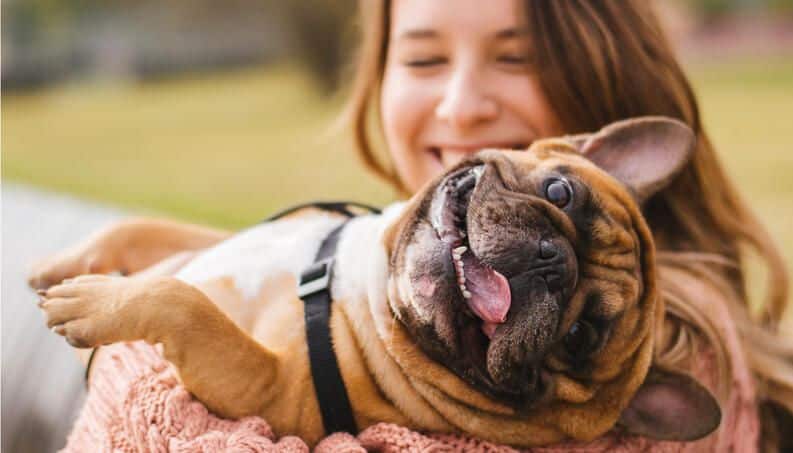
(530, 274)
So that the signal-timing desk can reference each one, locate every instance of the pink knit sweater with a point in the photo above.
(135, 404)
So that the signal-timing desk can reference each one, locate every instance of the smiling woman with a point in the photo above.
(447, 78)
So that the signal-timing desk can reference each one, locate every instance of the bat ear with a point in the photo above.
(645, 153)
(671, 406)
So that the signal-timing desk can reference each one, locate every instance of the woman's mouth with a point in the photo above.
(449, 155)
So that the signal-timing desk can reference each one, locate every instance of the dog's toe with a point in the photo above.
(78, 334)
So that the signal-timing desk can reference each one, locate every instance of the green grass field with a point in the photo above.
(229, 149)
(224, 149)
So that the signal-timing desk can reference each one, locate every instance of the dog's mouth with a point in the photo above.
(484, 291)
(492, 275)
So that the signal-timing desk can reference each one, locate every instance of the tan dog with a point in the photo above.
(513, 299)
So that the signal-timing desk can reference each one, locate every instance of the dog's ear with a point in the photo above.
(644, 153)
(671, 406)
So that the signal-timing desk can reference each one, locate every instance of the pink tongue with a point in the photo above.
(490, 296)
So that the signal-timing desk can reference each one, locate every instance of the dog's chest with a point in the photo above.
(252, 276)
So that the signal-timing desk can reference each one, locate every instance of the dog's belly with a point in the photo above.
(252, 276)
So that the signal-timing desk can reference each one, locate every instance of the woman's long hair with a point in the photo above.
(600, 62)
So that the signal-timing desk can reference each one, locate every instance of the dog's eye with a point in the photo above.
(558, 192)
(581, 339)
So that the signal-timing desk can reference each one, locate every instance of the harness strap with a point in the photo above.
(314, 290)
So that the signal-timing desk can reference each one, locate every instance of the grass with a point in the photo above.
(747, 108)
(229, 149)
(223, 150)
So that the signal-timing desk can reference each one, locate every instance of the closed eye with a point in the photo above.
(426, 62)
(514, 59)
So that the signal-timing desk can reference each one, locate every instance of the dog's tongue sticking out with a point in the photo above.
(490, 294)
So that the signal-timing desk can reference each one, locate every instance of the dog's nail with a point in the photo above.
(466, 294)
(68, 280)
(41, 302)
(41, 292)
(461, 249)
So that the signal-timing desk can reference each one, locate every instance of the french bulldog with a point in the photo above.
(512, 299)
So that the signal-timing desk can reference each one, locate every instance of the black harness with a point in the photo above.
(314, 290)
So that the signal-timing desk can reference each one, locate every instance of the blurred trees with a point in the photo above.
(323, 36)
(49, 40)
(45, 41)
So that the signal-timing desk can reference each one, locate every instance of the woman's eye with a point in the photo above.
(581, 339)
(514, 59)
(558, 192)
(425, 62)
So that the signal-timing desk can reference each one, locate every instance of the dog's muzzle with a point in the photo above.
(514, 270)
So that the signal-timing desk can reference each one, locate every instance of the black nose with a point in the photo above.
(547, 249)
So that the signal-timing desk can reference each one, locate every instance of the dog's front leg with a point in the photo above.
(219, 363)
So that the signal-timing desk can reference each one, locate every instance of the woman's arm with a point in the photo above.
(127, 246)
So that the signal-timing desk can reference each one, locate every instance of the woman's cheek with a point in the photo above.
(407, 105)
(522, 95)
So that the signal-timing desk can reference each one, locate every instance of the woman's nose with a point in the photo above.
(464, 103)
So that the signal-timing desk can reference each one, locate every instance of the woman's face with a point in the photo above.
(459, 77)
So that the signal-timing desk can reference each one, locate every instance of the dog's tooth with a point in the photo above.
(460, 250)
(466, 294)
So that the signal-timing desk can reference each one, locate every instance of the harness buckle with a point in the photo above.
(315, 278)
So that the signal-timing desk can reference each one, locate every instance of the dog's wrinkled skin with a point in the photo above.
(566, 354)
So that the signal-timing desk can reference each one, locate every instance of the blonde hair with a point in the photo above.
(700, 223)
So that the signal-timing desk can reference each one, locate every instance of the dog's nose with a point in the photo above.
(547, 249)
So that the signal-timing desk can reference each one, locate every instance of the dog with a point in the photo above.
(512, 299)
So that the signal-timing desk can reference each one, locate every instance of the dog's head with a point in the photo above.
(530, 275)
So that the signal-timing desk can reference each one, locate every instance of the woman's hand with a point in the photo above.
(126, 247)
(97, 254)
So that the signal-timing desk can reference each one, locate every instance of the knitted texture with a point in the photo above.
(135, 404)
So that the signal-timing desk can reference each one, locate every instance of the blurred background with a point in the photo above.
(222, 112)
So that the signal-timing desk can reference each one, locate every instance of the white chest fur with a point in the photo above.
(290, 245)
(287, 245)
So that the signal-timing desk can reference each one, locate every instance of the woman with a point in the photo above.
(447, 83)
(448, 77)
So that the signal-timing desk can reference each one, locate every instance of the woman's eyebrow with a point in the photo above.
(418, 33)
(512, 32)
(428, 33)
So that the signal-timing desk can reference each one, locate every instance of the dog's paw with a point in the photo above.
(85, 310)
